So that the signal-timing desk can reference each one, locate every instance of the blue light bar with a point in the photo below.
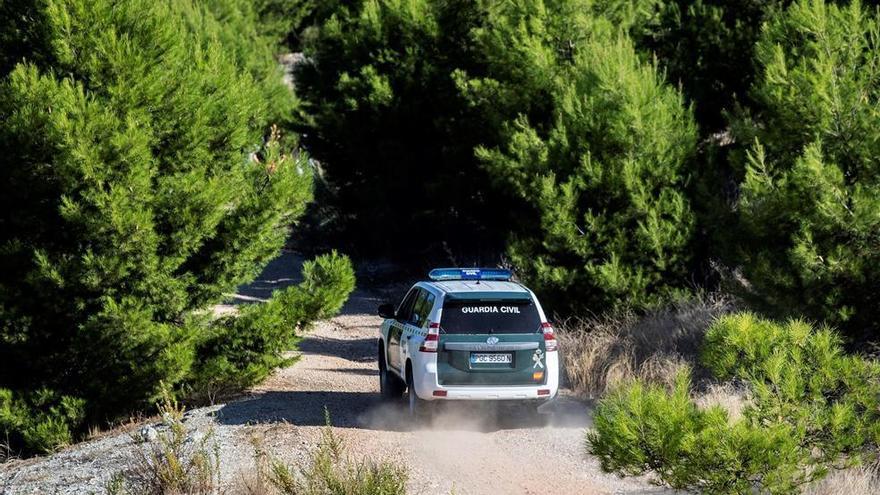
(441, 274)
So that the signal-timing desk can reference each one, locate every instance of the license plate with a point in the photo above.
(503, 358)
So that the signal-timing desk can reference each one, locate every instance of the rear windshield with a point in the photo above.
(517, 316)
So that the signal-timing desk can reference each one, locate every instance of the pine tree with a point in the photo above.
(707, 47)
(809, 209)
(604, 166)
(290, 21)
(139, 183)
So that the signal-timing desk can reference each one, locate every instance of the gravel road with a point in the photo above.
(465, 450)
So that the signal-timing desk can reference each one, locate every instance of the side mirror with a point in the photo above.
(386, 310)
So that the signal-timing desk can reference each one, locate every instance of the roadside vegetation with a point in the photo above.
(692, 188)
(810, 408)
(175, 463)
(329, 469)
(171, 462)
(603, 352)
(142, 181)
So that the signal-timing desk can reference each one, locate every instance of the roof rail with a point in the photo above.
(441, 274)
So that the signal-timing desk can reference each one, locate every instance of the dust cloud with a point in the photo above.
(475, 416)
(492, 447)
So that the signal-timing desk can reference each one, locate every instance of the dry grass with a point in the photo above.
(729, 397)
(329, 470)
(127, 425)
(853, 481)
(6, 452)
(600, 352)
(256, 481)
(172, 463)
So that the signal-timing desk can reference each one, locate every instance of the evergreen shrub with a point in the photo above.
(141, 180)
(808, 235)
(242, 349)
(811, 408)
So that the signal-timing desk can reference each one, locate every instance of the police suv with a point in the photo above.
(467, 334)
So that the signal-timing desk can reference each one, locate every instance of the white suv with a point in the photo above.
(467, 334)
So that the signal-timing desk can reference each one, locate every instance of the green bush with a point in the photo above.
(811, 408)
(38, 422)
(809, 205)
(327, 282)
(641, 428)
(241, 350)
(604, 167)
(803, 376)
(140, 183)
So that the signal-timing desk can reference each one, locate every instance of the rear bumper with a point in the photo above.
(426, 383)
(493, 393)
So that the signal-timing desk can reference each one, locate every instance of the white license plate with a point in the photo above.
(504, 358)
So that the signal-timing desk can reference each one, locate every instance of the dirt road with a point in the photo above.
(464, 450)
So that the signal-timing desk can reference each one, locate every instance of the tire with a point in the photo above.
(390, 387)
(418, 409)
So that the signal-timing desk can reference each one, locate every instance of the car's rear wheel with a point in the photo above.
(418, 408)
(390, 386)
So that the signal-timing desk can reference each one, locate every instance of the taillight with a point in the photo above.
(549, 337)
(432, 339)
